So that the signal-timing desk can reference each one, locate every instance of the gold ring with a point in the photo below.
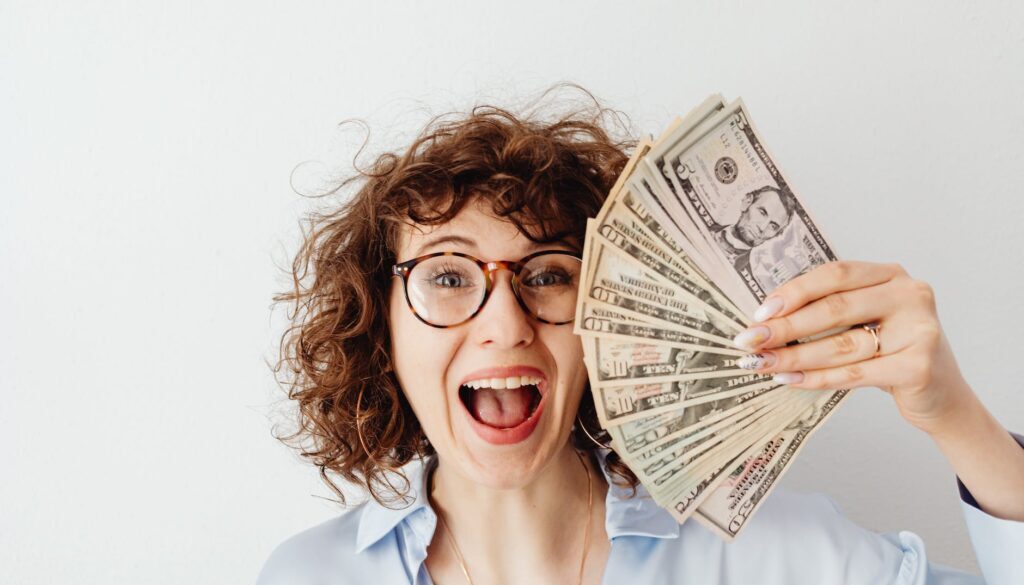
(873, 328)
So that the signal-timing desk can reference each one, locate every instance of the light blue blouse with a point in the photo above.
(794, 539)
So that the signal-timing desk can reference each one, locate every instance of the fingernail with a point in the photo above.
(789, 377)
(752, 337)
(756, 361)
(768, 309)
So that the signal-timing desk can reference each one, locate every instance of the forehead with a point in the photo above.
(474, 230)
(771, 201)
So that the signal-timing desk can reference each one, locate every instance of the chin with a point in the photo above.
(744, 235)
(507, 466)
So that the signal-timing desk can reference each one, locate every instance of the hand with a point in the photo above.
(914, 363)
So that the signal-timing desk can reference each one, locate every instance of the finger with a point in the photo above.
(847, 347)
(883, 372)
(837, 310)
(832, 277)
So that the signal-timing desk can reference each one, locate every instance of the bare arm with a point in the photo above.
(988, 461)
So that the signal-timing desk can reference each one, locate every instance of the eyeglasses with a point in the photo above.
(445, 289)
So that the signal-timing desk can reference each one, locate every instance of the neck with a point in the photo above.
(531, 533)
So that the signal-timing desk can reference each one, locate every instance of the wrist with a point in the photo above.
(968, 427)
(961, 415)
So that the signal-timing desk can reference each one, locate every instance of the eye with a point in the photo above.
(763, 212)
(774, 226)
(547, 277)
(447, 276)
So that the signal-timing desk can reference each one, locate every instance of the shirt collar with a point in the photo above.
(638, 515)
(378, 520)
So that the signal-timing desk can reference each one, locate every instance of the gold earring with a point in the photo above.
(580, 424)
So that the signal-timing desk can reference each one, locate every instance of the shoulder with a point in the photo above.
(802, 538)
(309, 557)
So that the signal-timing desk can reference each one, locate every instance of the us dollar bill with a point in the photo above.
(659, 467)
(759, 228)
(732, 502)
(691, 481)
(656, 233)
(649, 462)
(642, 186)
(625, 223)
(645, 436)
(662, 186)
(629, 244)
(700, 227)
(679, 474)
(620, 362)
(611, 322)
(744, 207)
(692, 489)
(647, 183)
(620, 404)
(619, 281)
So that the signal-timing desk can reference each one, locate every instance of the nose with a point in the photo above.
(757, 227)
(502, 322)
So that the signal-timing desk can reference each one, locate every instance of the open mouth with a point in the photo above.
(501, 403)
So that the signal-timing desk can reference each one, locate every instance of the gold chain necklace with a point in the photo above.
(586, 537)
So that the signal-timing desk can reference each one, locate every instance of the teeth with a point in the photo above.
(502, 383)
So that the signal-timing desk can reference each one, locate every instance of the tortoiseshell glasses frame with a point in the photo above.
(488, 270)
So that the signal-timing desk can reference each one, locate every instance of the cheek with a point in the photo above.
(408, 352)
(421, 356)
(747, 226)
(567, 349)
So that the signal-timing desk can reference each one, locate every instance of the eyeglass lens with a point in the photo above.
(447, 290)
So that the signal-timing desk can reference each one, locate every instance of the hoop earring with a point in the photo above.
(580, 424)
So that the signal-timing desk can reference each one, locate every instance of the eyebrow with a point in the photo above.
(438, 240)
(454, 239)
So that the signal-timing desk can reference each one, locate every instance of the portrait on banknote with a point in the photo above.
(764, 214)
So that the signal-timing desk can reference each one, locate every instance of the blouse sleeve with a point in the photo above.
(998, 544)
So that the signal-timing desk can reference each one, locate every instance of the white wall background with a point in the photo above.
(146, 150)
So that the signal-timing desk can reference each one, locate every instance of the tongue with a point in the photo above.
(502, 408)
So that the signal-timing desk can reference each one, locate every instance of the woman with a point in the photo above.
(466, 421)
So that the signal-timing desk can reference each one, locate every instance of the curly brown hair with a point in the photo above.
(546, 175)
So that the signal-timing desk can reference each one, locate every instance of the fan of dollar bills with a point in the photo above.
(698, 229)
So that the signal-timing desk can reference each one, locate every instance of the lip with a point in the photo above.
(516, 434)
